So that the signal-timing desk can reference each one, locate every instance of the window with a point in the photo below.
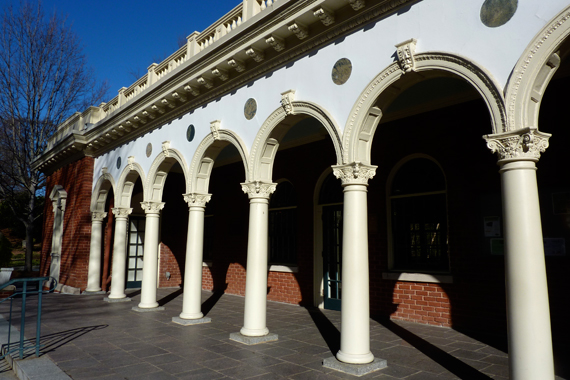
(419, 217)
(283, 225)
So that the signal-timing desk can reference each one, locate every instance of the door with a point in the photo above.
(332, 256)
(135, 250)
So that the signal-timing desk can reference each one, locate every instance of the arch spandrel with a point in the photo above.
(126, 183)
(154, 184)
(205, 155)
(533, 71)
(365, 115)
(266, 142)
(100, 192)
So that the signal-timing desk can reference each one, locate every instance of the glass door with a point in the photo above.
(135, 249)
(332, 256)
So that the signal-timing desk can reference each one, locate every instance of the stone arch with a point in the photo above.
(265, 145)
(365, 116)
(105, 183)
(127, 181)
(205, 155)
(154, 183)
(533, 71)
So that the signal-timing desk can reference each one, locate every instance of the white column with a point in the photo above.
(119, 253)
(528, 314)
(355, 303)
(150, 259)
(256, 271)
(192, 296)
(94, 269)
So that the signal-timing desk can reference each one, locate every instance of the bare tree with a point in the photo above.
(44, 78)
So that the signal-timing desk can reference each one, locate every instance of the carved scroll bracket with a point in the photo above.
(287, 99)
(406, 51)
(523, 144)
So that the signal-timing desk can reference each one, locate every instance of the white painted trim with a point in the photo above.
(418, 277)
(284, 268)
(208, 264)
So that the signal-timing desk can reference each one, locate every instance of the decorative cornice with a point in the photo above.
(357, 4)
(326, 16)
(354, 173)
(300, 30)
(277, 43)
(523, 144)
(121, 213)
(237, 64)
(256, 54)
(406, 51)
(152, 207)
(98, 216)
(258, 189)
(197, 200)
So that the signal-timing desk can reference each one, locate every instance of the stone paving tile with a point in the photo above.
(96, 340)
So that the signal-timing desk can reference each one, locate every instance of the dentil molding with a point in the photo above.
(523, 144)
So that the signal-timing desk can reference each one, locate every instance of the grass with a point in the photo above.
(19, 258)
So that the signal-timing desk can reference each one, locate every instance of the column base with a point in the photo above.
(146, 309)
(254, 332)
(354, 369)
(250, 340)
(191, 315)
(189, 322)
(113, 300)
(355, 358)
(88, 292)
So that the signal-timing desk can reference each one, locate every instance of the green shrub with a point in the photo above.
(5, 251)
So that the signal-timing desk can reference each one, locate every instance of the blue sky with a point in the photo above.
(122, 36)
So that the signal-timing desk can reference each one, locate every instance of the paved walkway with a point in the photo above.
(91, 339)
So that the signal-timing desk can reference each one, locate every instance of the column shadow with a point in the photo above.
(449, 362)
(164, 300)
(213, 299)
(327, 329)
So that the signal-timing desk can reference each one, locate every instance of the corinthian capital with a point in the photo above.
(354, 173)
(120, 212)
(522, 144)
(258, 189)
(152, 207)
(98, 216)
(198, 200)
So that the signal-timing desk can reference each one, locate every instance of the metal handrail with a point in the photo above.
(24, 293)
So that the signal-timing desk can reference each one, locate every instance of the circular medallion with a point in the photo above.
(341, 71)
(148, 149)
(250, 108)
(190, 132)
(118, 162)
(497, 12)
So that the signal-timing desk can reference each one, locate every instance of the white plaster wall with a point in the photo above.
(438, 25)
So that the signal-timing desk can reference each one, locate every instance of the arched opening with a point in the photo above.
(435, 191)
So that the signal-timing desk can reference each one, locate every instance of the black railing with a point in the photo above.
(24, 293)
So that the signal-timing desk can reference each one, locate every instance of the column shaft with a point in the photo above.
(150, 262)
(119, 254)
(94, 269)
(528, 315)
(355, 304)
(256, 277)
(192, 296)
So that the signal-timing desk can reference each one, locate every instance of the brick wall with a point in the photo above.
(421, 302)
(76, 179)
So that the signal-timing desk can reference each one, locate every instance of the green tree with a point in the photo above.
(44, 79)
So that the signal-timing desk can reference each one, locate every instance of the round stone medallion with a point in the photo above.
(118, 162)
(495, 13)
(148, 149)
(190, 132)
(341, 71)
(250, 108)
